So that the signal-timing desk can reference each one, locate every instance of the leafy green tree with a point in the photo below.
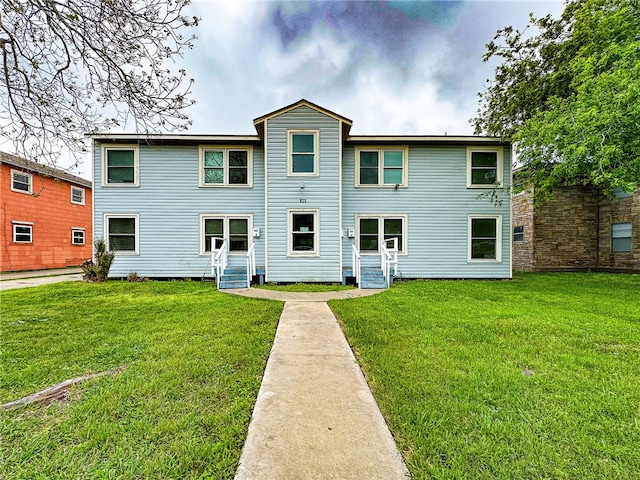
(71, 67)
(569, 96)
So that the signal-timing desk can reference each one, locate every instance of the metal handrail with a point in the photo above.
(355, 263)
(251, 264)
(218, 259)
(389, 258)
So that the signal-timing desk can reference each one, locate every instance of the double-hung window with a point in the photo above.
(226, 166)
(77, 195)
(22, 232)
(484, 167)
(378, 166)
(302, 152)
(485, 238)
(217, 228)
(77, 236)
(120, 165)
(621, 237)
(122, 233)
(377, 230)
(303, 232)
(21, 182)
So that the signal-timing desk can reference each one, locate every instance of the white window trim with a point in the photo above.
(316, 230)
(136, 166)
(135, 216)
(499, 166)
(225, 218)
(73, 231)
(13, 173)
(83, 195)
(316, 153)
(29, 225)
(380, 218)
(498, 219)
(225, 149)
(381, 150)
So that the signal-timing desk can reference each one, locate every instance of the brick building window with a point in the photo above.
(77, 236)
(518, 233)
(21, 182)
(621, 237)
(77, 195)
(22, 232)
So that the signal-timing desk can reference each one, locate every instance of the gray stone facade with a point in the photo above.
(573, 231)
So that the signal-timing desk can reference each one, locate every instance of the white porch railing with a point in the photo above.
(389, 259)
(251, 264)
(218, 258)
(355, 263)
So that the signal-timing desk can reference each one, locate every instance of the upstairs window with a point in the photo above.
(374, 231)
(485, 238)
(381, 167)
(621, 237)
(302, 152)
(22, 232)
(120, 166)
(225, 166)
(77, 195)
(484, 167)
(21, 182)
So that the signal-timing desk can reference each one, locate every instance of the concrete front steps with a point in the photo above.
(372, 278)
(233, 278)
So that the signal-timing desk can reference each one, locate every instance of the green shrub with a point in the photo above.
(98, 271)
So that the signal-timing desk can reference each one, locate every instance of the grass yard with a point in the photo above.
(538, 377)
(194, 360)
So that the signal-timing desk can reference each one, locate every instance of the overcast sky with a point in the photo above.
(399, 67)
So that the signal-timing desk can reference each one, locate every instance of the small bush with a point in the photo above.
(98, 271)
(134, 277)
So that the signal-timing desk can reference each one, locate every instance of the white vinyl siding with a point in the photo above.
(302, 153)
(621, 237)
(382, 166)
(121, 232)
(120, 166)
(21, 182)
(484, 167)
(77, 195)
(227, 166)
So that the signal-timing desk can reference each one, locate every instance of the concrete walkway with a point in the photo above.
(9, 281)
(315, 417)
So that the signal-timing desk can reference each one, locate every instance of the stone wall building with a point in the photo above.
(577, 229)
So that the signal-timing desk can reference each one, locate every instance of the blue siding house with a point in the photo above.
(304, 201)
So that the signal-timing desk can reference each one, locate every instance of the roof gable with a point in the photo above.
(259, 122)
(45, 170)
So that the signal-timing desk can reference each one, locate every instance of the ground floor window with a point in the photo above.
(303, 232)
(122, 233)
(621, 237)
(22, 232)
(518, 233)
(77, 236)
(217, 228)
(485, 237)
(377, 230)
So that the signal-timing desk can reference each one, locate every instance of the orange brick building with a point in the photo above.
(45, 216)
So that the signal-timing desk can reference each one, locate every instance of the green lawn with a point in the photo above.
(538, 377)
(194, 360)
